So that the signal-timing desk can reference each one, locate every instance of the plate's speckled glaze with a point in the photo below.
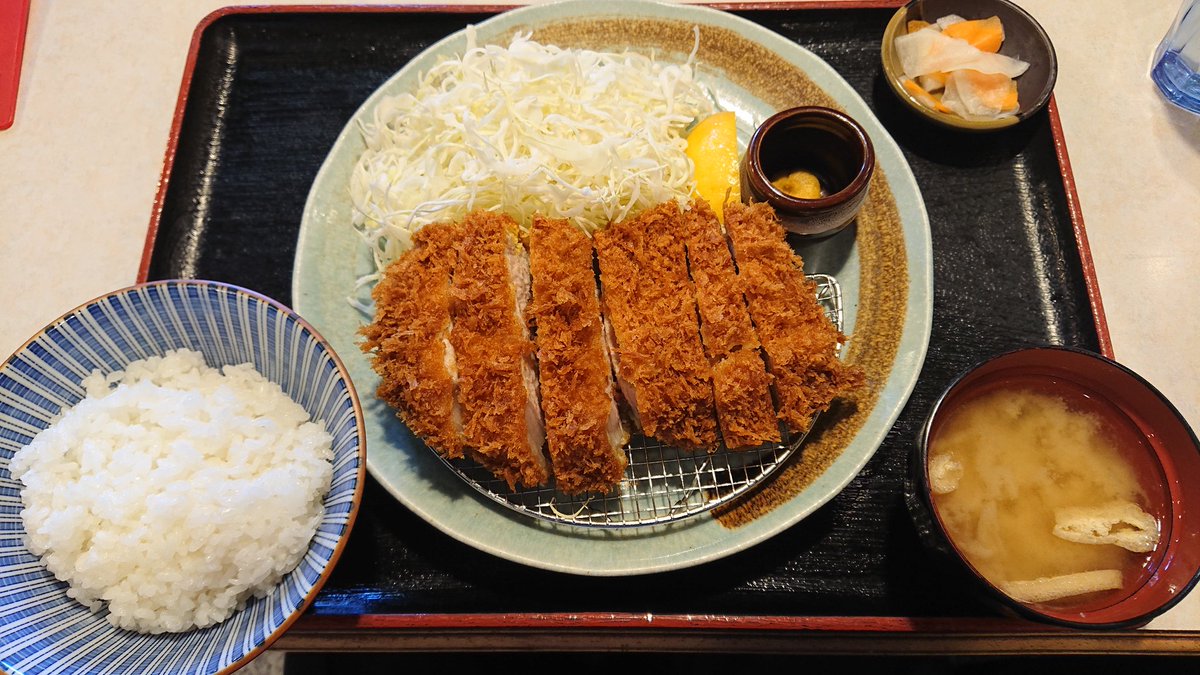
(883, 265)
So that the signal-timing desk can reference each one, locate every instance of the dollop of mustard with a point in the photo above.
(799, 184)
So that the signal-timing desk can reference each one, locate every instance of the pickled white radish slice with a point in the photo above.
(949, 20)
(974, 95)
(928, 51)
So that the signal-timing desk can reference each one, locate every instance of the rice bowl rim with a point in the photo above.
(359, 424)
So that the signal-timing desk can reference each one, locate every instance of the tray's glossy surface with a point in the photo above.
(270, 92)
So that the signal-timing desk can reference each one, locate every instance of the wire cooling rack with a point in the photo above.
(661, 484)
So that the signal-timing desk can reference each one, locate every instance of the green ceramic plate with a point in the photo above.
(885, 275)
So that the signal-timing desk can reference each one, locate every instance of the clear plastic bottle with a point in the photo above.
(1177, 61)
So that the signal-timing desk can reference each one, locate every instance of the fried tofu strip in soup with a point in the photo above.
(409, 339)
(583, 428)
(498, 386)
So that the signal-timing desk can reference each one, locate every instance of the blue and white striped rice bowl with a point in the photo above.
(44, 631)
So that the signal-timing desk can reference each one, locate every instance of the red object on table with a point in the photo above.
(14, 14)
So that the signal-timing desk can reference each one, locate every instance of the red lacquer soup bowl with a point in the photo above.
(1162, 454)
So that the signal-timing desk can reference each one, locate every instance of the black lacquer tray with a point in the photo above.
(267, 91)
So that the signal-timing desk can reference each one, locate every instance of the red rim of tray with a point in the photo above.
(14, 18)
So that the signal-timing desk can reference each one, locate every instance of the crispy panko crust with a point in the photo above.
(491, 345)
(799, 340)
(576, 377)
(747, 419)
(408, 338)
(741, 385)
(650, 303)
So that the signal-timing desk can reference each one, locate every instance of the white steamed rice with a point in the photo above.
(175, 495)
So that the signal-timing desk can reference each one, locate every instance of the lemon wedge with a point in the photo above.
(712, 147)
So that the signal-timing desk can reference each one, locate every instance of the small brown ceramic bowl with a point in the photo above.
(1024, 39)
(1160, 450)
(824, 142)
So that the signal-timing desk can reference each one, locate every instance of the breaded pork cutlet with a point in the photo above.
(741, 386)
(651, 307)
(799, 340)
(583, 428)
(497, 380)
(409, 339)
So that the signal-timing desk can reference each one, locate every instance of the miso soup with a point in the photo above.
(1007, 460)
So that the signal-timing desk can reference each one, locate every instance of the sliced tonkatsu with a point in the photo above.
(497, 378)
(798, 339)
(409, 339)
(584, 432)
(741, 385)
(650, 305)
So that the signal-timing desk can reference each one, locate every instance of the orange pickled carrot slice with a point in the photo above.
(994, 91)
(929, 51)
(984, 34)
(1008, 102)
(928, 100)
(933, 81)
(980, 95)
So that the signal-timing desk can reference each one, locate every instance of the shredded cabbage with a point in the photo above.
(529, 128)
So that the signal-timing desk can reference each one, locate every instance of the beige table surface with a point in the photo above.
(80, 167)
